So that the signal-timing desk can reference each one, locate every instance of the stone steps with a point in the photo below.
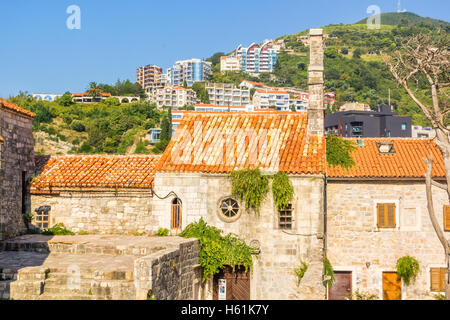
(78, 248)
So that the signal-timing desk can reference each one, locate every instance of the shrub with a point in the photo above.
(358, 295)
(58, 230)
(163, 232)
(217, 250)
(78, 126)
(251, 186)
(407, 269)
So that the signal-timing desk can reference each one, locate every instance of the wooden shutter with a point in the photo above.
(386, 215)
(447, 218)
(437, 279)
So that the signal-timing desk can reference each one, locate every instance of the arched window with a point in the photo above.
(176, 214)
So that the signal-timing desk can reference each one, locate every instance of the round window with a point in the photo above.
(229, 209)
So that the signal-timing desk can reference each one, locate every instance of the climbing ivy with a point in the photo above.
(217, 250)
(282, 190)
(251, 186)
(328, 272)
(339, 151)
(300, 271)
(407, 269)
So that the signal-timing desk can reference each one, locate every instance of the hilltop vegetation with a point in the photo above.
(407, 19)
(92, 128)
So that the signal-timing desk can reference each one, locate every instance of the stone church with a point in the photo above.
(16, 167)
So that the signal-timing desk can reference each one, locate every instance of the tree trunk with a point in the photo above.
(434, 222)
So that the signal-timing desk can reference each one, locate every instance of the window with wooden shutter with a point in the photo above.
(176, 214)
(447, 218)
(437, 279)
(386, 215)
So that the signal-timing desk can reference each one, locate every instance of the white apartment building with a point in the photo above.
(265, 98)
(227, 94)
(229, 63)
(189, 71)
(175, 97)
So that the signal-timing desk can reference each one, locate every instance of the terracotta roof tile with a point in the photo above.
(96, 171)
(406, 162)
(219, 142)
(12, 107)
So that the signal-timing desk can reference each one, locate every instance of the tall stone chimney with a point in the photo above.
(316, 109)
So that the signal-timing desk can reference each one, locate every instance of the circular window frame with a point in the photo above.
(221, 214)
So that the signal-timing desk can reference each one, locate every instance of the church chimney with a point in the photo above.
(316, 109)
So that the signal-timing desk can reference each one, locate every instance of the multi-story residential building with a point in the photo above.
(265, 99)
(380, 123)
(161, 83)
(191, 71)
(148, 75)
(256, 58)
(227, 94)
(223, 108)
(175, 97)
(229, 63)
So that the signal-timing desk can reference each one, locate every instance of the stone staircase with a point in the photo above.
(37, 283)
(36, 267)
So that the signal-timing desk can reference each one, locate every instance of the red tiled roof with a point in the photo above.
(406, 162)
(97, 172)
(88, 94)
(219, 142)
(12, 107)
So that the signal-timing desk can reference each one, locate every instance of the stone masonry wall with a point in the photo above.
(104, 212)
(17, 157)
(273, 275)
(356, 244)
(171, 274)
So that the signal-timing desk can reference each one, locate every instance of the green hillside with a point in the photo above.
(407, 19)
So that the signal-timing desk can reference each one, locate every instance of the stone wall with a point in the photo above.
(100, 212)
(354, 243)
(273, 275)
(17, 157)
(170, 274)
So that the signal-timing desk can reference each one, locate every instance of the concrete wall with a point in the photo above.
(17, 157)
(272, 276)
(356, 244)
(100, 212)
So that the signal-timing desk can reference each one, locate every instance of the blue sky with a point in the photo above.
(40, 54)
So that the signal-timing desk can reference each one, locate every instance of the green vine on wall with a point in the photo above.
(217, 250)
(407, 269)
(300, 271)
(328, 273)
(339, 151)
(250, 186)
(282, 190)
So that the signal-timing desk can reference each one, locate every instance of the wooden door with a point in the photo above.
(342, 287)
(237, 284)
(392, 286)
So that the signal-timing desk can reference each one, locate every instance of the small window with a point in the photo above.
(437, 279)
(403, 126)
(386, 215)
(447, 218)
(43, 217)
(385, 147)
(285, 218)
(176, 214)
